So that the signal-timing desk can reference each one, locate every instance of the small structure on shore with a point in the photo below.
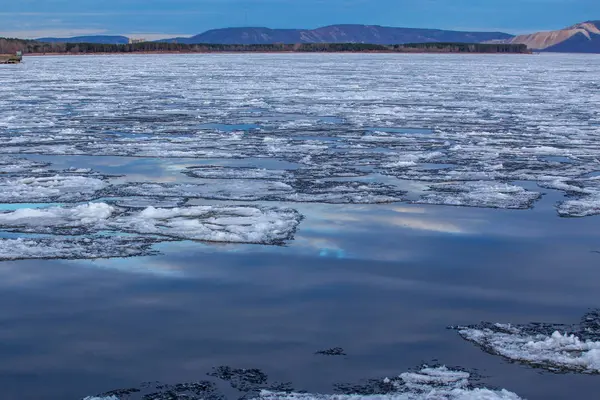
(11, 59)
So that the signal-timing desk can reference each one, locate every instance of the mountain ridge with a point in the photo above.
(583, 37)
(343, 33)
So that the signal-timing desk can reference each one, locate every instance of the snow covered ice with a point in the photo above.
(75, 247)
(553, 347)
(265, 225)
(480, 194)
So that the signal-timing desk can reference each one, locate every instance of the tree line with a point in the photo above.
(10, 46)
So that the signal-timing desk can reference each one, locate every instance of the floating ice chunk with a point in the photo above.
(65, 220)
(101, 398)
(480, 194)
(440, 383)
(582, 207)
(259, 190)
(144, 202)
(546, 346)
(74, 248)
(318, 172)
(219, 172)
(65, 188)
(249, 190)
(340, 192)
(239, 224)
(214, 223)
(15, 165)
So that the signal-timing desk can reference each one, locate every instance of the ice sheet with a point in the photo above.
(518, 119)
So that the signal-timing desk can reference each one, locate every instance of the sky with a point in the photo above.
(153, 19)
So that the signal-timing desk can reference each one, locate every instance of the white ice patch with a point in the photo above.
(214, 223)
(15, 165)
(219, 172)
(71, 248)
(84, 218)
(144, 202)
(101, 398)
(67, 188)
(235, 224)
(557, 351)
(479, 194)
(259, 190)
(439, 383)
(583, 207)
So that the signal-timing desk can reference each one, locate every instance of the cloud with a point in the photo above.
(37, 33)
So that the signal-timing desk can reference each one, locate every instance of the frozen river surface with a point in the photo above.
(220, 219)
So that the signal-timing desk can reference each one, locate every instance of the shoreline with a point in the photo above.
(262, 52)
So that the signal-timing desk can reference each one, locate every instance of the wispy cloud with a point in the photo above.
(38, 33)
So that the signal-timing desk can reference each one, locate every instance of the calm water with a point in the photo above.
(377, 270)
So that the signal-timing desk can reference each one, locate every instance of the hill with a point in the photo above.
(372, 34)
(579, 38)
(87, 39)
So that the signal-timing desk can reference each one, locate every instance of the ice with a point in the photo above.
(63, 188)
(238, 224)
(214, 223)
(101, 398)
(583, 207)
(219, 172)
(425, 383)
(479, 194)
(65, 220)
(519, 119)
(287, 176)
(15, 165)
(73, 248)
(440, 383)
(553, 347)
(143, 202)
(263, 190)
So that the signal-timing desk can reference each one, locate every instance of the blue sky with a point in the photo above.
(165, 18)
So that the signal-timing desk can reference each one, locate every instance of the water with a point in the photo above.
(386, 256)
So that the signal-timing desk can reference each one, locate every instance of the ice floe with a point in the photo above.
(479, 194)
(426, 383)
(266, 190)
(75, 247)
(237, 224)
(559, 348)
(63, 188)
(214, 223)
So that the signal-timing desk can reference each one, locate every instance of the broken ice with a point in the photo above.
(553, 347)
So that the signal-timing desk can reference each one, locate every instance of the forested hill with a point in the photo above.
(33, 47)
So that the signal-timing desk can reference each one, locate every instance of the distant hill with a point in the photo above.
(87, 39)
(579, 38)
(372, 34)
